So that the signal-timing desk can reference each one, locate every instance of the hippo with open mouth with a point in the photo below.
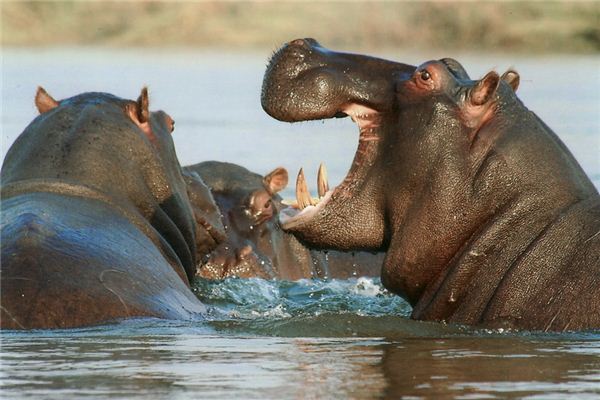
(96, 221)
(486, 217)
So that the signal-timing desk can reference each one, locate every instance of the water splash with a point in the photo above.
(326, 308)
(259, 298)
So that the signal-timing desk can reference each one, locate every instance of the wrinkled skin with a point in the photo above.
(96, 221)
(256, 246)
(486, 217)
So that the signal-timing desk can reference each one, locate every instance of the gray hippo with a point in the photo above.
(96, 221)
(486, 217)
(255, 244)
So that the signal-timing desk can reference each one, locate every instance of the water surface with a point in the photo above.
(305, 339)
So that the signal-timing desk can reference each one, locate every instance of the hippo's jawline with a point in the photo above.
(368, 121)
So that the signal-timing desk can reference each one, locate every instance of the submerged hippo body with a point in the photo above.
(486, 217)
(255, 245)
(96, 222)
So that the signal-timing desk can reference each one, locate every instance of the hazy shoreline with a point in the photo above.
(516, 27)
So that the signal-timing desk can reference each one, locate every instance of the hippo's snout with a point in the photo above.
(306, 81)
(296, 85)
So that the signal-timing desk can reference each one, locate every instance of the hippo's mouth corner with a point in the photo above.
(306, 209)
(208, 235)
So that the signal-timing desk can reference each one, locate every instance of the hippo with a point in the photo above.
(485, 216)
(255, 244)
(97, 225)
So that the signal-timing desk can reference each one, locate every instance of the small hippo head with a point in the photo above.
(255, 245)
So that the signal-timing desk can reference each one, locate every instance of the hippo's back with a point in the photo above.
(70, 261)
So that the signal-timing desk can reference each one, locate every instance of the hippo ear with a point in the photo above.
(276, 180)
(43, 101)
(484, 89)
(142, 106)
(139, 114)
(512, 78)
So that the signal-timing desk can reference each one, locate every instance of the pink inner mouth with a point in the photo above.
(368, 121)
(365, 117)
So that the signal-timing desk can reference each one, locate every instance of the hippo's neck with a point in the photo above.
(523, 182)
(483, 267)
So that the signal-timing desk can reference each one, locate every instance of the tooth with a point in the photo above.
(322, 184)
(302, 193)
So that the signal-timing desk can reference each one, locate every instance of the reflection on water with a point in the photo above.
(305, 339)
(496, 367)
(144, 359)
(192, 366)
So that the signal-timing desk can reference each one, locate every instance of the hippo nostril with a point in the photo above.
(298, 42)
(306, 43)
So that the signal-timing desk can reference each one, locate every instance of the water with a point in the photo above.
(305, 339)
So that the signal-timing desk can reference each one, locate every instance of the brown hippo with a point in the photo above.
(96, 221)
(486, 217)
(256, 246)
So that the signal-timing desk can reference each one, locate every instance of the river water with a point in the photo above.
(306, 339)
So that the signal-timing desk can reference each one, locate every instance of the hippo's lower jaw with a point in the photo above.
(292, 217)
(306, 212)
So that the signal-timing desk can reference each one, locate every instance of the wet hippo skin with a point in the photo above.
(255, 244)
(96, 221)
(486, 217)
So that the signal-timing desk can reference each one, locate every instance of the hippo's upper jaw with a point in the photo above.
(305, 81)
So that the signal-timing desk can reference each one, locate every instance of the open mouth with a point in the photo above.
(306, 207)
(208, 236)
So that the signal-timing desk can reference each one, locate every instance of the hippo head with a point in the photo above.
(423, 132)
(249, 207)
(122, 152)
(255, 245)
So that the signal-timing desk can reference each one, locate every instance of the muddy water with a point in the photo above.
(305, 339)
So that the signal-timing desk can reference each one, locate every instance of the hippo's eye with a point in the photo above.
(425, 76)
(259, 206)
